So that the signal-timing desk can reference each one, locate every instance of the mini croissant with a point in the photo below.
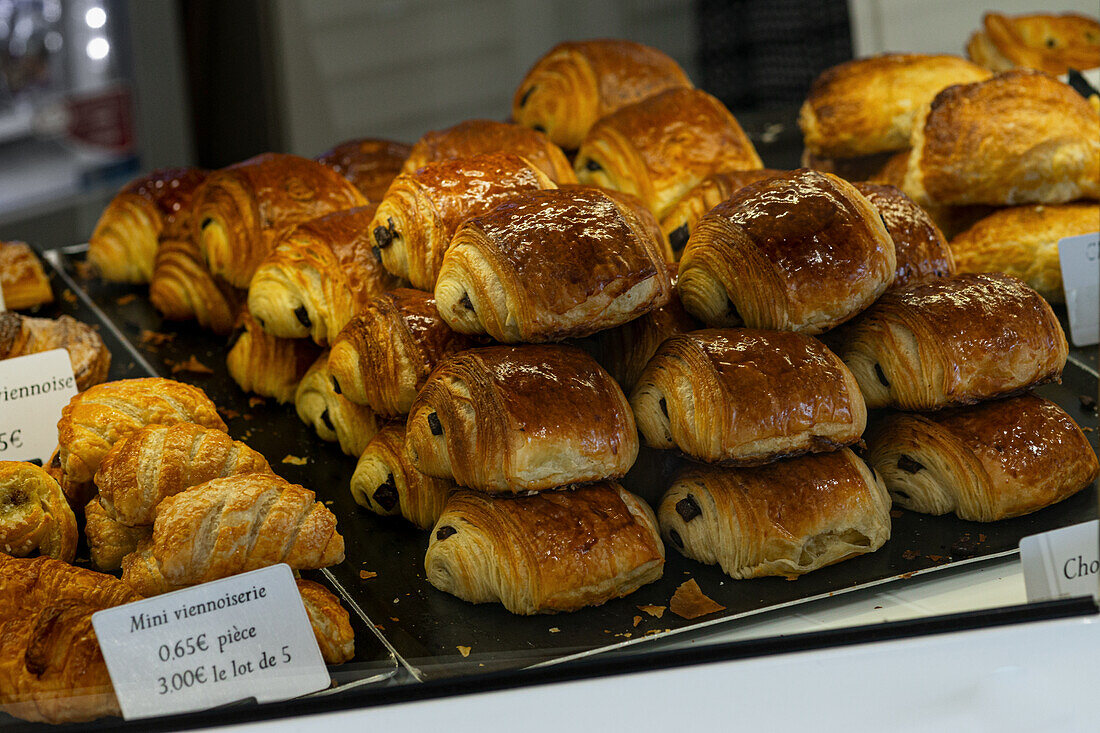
(333, 416)
(267, 365)
(183, 289)
(35, 518)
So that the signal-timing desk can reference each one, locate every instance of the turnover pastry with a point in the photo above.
(35, 518)
(510, 419)
(22, 335)
(241, 209)
(370, 164)
(96, 419)
(330, 622)
(578, 82)
(109, 540)
(1051, 43)
(333, 416)
(1023, 241)
(383, 356)
(987, 462)
(661, 147)
(787, 518)
(804, 252)
(267, 365)
(476, 137)
(919, 245)
(954, 341)
(681, 218)
(319, 275)
(386, 482)
(124, 244)
(183, 289)
(1021, 137)
(23, 282)
(551, 552)
(422, 210)
(550, 265)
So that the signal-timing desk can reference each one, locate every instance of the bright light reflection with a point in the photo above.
(98, 48)
(95, 17)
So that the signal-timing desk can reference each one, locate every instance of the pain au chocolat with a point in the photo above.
(333, 416)
(370, 164)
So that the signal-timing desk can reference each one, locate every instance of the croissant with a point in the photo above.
(22, 335)
(787, 518)
(183, 289)
(682, 216)
(1021, 137)
(23, 282)
(330, 622)
(319, 275)
(800, 253)
(334, 417)
(159, 461)
(661, 147)
(954, 341)
(1050, 43)
(511, 419)
(551, 552)
(34, 516)
(96, 419)
(919, 246)
(594, 264)
(577, 83)
(109, 540)
(476, 137)
(386, 482)
(370, 165)
(1023, 241)
(77, 493)
(988, 462)
(240, 210)
(422, 210)
(124, 244)
(383, 356)
(265, 364)
(51, 667)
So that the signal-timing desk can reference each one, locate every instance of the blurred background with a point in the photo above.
(93, 92)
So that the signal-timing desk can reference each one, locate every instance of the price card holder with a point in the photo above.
(1063, 563)
(242, 637)
(1080, 261)
(33, 391)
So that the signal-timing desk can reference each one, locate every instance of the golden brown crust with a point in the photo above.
(35, 517)
(1050, 43)
(661, 147)
(475, 137)
(370, 164)
(954, 341)
(511, 419)
(90, 358)
(330, 622)
(551, 552)
(988, 462)
(578, 82)
(332, 416)
(920, 247)
(110, 540)
(267, 365)
(183, 289)
(23, 282)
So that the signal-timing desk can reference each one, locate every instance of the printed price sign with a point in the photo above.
(33, 391)
(1063, 563)
(242, 637)
(1080, 261)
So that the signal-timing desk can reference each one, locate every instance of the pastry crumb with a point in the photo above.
(294, 460)
(125, 299)
(367, 575)
(68, 295)
(229, 414)
(155, 338)
(637, 620)
(463, 650)
(554, 629)
(256, 401)
(394, 619)
(192, 365)
(905, 576)
(654, 611)
(690, 602)
(910, 554)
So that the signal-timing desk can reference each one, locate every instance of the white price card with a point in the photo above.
(1062, 563)
(247, 636)
(33, 391)
(1080, 261)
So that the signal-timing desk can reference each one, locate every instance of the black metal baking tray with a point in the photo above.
(437, 635)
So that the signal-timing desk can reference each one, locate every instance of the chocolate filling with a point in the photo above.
(377, 252)
(593, 165)
(525, 97)
(465, 302)
(688, 508)
(539, 128)
(881, 376)
(434, 425)
(384, 235)
(678, 237)
(664, 406)
(445, 531)
(676, 539)
(207, 222)
(303, 316)
(336, 386)
(327, 421)
(907, 464)
(386, 494)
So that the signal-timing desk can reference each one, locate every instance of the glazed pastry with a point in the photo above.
(382, 358)
(34, 516)
(386, 482)
(919, 246)
(867, 105)
(1021, 137)
(476, 137)
(800, 253)
(159, 461)
(594, 264)
(240, 210)
(422, 210)
(370, 165)
(267, 365)
(786, 518)
(555, 551)
(51, 667)
(21, 335)
(109, 540)
(333, 416)
(95, 420)
(954, 341)
(23, 282)
(681, 218)
(988, 462)
(892, 172)
(1051, 43)
(870, 167)
(659, 148)
(124, 244)
(511, 419)
(319, 275)
(578, 82)
(330, 622)
(1023, 242)
(183, 289)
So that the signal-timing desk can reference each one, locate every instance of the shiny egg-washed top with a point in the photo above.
(370, 165)
(922, 251)
(476, 137)
(169, 189)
